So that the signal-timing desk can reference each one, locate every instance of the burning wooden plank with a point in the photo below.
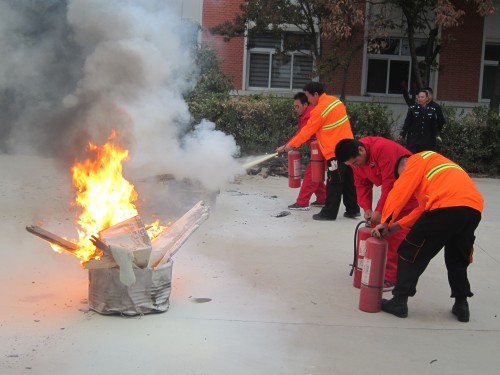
(163, 246)
(172, 238)
(52, 238)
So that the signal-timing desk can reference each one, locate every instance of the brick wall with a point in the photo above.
(354, 74)
(231, 53)
(460, 59)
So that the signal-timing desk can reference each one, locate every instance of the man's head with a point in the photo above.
(300, 103)
(422, 97)
(352, 152)
(400, 166)
(313, 91)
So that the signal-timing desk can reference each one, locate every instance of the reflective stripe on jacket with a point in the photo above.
(329, 122)
(437, 182)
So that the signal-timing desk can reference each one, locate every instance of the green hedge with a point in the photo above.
(258, 123)
(261, 123)
(472, 140)
(370, 119)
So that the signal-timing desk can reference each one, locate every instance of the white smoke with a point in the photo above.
(122, 65)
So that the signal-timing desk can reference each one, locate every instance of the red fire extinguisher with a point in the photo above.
(294, 169)
(317, 163)
(372, 278)
(360, 237)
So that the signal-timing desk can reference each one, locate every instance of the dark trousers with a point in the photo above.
(429, 145)
(339, 186)
(452, 228)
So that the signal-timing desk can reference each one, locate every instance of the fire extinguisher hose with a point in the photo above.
(353, 265)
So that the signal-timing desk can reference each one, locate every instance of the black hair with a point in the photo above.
(313, 87)
(302, 97)
(428, 89)
(396, 166)
(347, 149)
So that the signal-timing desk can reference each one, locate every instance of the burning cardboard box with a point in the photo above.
(134, 273)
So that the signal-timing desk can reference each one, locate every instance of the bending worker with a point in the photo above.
(373, 160)
(449, 211)
(330, 123)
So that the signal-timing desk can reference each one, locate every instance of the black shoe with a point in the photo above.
(461, 310)
(316, 204)
(320, 217)
(297, 207)
(395, 307)
(353, 215)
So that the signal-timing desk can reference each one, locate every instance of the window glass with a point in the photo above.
(377, 76)
(302, 70)
(492, 52)
(259, 70)
(488, 81)
(267, 69)
(399, 72)
(390, 74)
(280, 72)
(263, 41)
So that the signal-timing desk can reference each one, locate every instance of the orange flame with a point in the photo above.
(104, 195)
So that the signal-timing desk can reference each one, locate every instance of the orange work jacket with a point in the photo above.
(437, 182)
(329, 122)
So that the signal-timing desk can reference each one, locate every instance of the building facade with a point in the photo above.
(467, 62)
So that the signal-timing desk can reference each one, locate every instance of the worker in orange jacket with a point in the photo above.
(330, 123)
(448, 213)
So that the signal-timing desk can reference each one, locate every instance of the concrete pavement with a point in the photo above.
(280, 299)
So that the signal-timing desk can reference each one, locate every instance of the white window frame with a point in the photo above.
(484, 64)
(272, 53)
(389, 58)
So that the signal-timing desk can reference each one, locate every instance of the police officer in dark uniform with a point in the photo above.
(421, 125)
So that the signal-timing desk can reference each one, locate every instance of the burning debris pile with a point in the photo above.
(129, 263)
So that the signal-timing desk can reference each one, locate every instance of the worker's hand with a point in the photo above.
(376, 216)
(379, 231)
(284, 148)
(368, 215)
(393, 228)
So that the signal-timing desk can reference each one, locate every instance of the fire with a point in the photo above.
(104, 196)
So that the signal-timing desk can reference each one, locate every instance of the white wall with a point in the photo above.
(188, 9)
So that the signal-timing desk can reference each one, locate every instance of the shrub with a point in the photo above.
(258, 123)
(210, 79)
(471, 139)
(370, 119)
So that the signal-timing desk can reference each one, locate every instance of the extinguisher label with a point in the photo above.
(315, 151)
(365, 276)
(362, 248)
(296, 167)
(360, 263)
